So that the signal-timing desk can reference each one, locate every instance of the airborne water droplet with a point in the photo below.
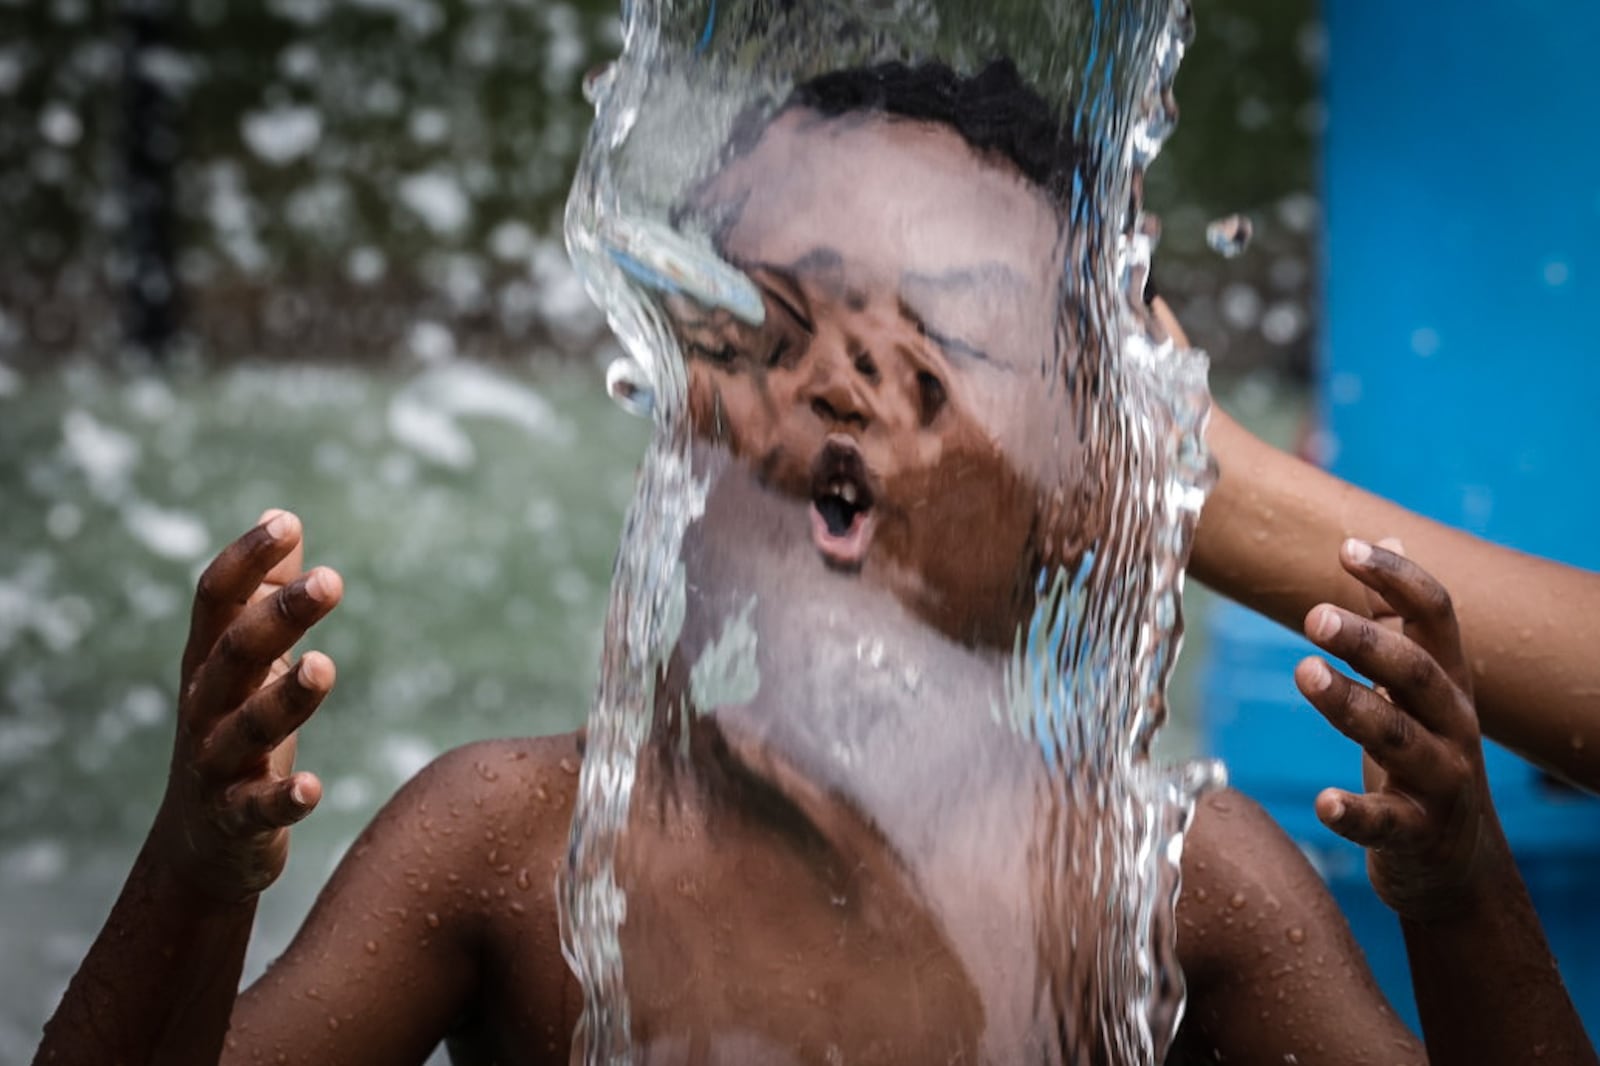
(1230, 236)
(597, 81)
(627, 384)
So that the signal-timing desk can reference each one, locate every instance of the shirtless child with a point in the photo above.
(441, 924)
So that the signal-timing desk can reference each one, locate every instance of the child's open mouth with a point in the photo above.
(841, 504)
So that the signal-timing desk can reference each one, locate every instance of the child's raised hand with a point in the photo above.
(1426, 818)
(232, 792)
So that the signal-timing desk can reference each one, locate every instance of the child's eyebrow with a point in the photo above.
(989, 274)
(979, 275)
(950, 345)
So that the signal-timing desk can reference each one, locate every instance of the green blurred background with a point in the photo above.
(376, 326)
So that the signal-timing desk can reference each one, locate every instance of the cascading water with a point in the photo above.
(867, 775)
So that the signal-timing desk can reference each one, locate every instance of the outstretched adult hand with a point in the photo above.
(1434, 844)
(232, 791)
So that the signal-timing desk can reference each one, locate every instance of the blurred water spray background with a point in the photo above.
(306, 253)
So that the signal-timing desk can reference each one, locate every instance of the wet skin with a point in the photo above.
(441, 920)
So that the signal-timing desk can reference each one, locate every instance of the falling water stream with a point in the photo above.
(867, 774)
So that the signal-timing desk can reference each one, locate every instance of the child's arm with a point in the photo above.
(1487, 986)
(158, 984)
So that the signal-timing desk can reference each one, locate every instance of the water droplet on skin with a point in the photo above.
(1238, 901)
(1296, 935)
(1201, 895)
(333, 1023)
(523, 880)
(372, 947)
(432, 920)
(518, 908)
(1229, 236)
(568, 764)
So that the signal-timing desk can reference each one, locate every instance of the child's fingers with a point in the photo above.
(247, 736)
(263, 806)
(1372, 820)
(263, 631)
(227, 584)
(1424, 604)
(1379, 609)
(1412, 677)
(1392, 738)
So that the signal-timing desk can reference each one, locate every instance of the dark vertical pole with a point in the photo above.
(150, 113)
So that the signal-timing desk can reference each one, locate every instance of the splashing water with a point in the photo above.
(1230, 236)
(867, 773)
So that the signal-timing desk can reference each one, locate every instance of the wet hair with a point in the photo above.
(995, 111)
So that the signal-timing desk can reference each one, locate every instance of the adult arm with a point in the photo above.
(1273, 525)
(158, 983)
(1487, 987)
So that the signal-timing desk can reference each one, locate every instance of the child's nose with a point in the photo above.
(839, 389)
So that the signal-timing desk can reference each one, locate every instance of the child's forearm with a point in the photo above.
(160, 981)
(1273, 523)
(1487, 987)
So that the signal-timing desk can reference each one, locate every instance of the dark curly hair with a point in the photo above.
(994, 111)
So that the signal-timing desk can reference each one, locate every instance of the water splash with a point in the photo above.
(923, 520)
(1230, 236)
(628, 386)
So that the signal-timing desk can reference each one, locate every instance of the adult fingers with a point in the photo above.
(1411, 676)
(227, 583)
(1396, 743)
(1419, 599)
(247, 737)
(1374, 819)
(261, 633)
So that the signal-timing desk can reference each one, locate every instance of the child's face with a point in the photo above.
(899, 383)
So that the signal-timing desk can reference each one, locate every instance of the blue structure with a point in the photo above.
(1460, 375)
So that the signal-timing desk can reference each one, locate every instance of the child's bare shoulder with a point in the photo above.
(482, 811)
(518, 786)
(1245, 881)
(1269, 961)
